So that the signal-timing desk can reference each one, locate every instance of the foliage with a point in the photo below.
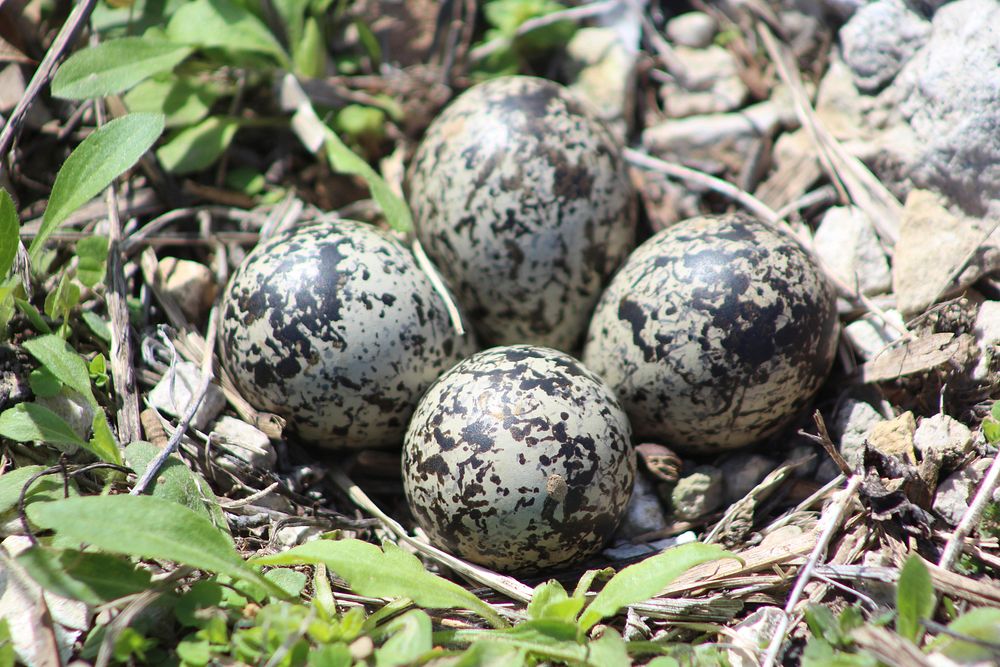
(505, 17)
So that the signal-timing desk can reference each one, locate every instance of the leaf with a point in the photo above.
(177, 483)
(409, 639)
(550, 601)
(995, 410)
(552, 640)
(93, 578)
(115, 66)
(33, 315)
(309, 52)
(8, 656)
(223, 24)
(914, 597)
(180, 100)
(147, 527)
(92, 255)
(43, 383)
(342, 159)
(97, 325)
(62, 361)
(392, 573)
(982, 624)
(291, 581)
(30, 422)
(99, 159)
(195, 148)
(11, 483)
(486, 653)
(609, 650)
(646, 579)
(102, 442)
(10, 227)
(991, 430)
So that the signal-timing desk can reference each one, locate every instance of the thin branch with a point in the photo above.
(196, 399)
(67, 35)
(833, 518)
(971, 517)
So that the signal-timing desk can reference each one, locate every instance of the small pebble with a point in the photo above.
(698, 494)
(173, 393)
(950, 438)
(692, 29)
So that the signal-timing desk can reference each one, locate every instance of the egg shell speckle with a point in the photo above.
(715, 332)
(519, 459)
(333, 326)
(522, 200)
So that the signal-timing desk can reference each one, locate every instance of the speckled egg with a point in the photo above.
(333, 326)
(521, 198)
(519, 458)
(715, 332)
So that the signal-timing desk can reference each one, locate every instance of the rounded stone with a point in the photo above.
(519, 458)
(715, 333)
(333, 326)
(521, 198)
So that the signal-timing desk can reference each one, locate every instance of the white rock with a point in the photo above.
(879, 39)
(290, 536)
(847, 243)
(851, 425)
(947, 436)
(950, 95)
(192, 284)
(933, 242)
(697, 494)
(953, 494)
(602, 69)
(245, 442)
(869, 335)
(710, 83)
(742, 472)
(173, 394)
(19, 605)
(692, 29)
(752, 636)
(644, 513)
(987, 330)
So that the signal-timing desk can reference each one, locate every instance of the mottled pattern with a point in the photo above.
(519, 459)
(715, 333)
(521, 199)
(334, 326)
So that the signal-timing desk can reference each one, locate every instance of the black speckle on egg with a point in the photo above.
(333, 326)
(715, 333)
(522, 200)
(520, 459)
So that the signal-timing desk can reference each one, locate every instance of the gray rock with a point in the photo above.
(987, 330)
(245, 442)
(805, 451)
(692, 29)
(601, 68)
(950, 95)
(711, 83)
(697, 494)
(847, 243)
(869, 335)
(742, 472)
(644, 513)
(953, 494)
(752, 635)
(851, 426)
(191, 283)
(879, 39)
(950, 438)
(173, 393)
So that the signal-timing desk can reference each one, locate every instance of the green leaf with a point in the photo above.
(99, 159)
(487, 653)
(94, 578)
(177, 483)
(223, 24)
(550, 601)
(392, 573)
(61, 301)
(43, 488)
(995, 410)
(609, 650)
(409, 639)
(8, 658)
(291, 581)
(180, 100)
(10, 227)
(991, 429)
(195, 148)
(102, 443)
(98, 325)
(309, 52)
(646, 579)
(147, 527)
(330, 655)
(914, 597)
(551, 640)
(342, 159)
(982, 624)
(33, 316)
(29, 422)
(115, 66)
(92, 255)
(62, 361)
(43, 383)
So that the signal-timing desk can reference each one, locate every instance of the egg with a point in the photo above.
(521, 198)
(715, 333)
(333, 326)
(519, 459)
